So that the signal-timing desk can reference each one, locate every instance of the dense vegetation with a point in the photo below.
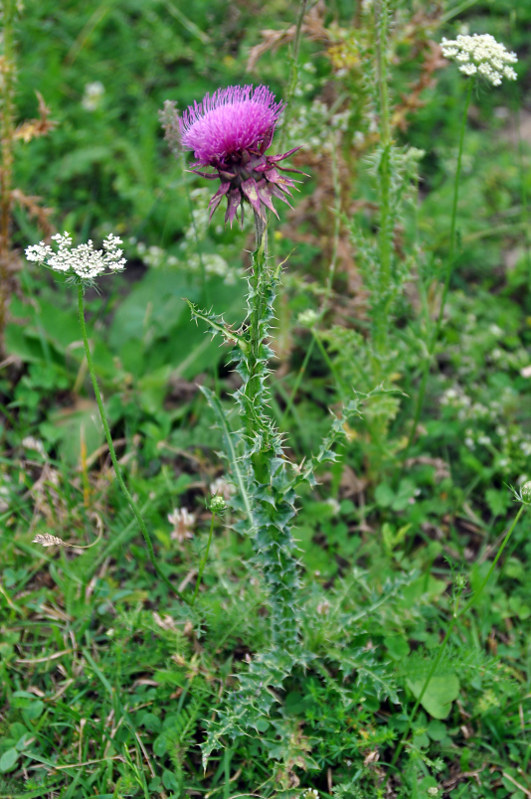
(385, 430)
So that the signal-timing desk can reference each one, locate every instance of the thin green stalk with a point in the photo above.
(283, 131)
(298, 381)
(453, 223)
(523, 191)
(449, 269)
(112, 452)
(204, 559)
(455, 618)
(327, 359)
(294, 72)
(328, 285)
(7, 133)
(381, 309)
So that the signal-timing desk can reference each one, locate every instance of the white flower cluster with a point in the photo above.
(182, 522)
(83, 260)
(152, 256)
(93, 95)
(481, 54)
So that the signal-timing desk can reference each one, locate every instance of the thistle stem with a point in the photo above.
(272, 541)
(257, 367)
(117, 469)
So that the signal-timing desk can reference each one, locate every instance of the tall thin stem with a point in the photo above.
(7, 82)
(385, 223)
(453, 223)
(204, 559)
(294, 72)
(117, 469)
(448, 275)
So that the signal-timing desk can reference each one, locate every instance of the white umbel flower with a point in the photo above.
(83, 260)
(481, 54)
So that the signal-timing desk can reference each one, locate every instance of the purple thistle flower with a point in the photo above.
(230, 131)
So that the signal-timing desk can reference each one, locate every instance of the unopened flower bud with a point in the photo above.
(525, 493)
(217, 504)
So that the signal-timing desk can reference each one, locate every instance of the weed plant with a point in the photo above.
(293, 565)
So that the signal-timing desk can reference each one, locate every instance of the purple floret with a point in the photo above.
(233, 119)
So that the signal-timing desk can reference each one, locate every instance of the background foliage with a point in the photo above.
(109, 684)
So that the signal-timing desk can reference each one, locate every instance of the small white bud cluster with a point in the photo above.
(93, 95)
(83, 260)
(525, 493)
(481, 54)
(308, 318)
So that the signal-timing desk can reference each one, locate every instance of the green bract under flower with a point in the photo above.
(83, 261)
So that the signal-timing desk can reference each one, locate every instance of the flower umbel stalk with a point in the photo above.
(112, 452)
(432, 342)
(204, 559)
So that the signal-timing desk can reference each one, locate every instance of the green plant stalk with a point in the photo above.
(7, 132)
(449, 270)
(269, 486)
(381, 309)
(204, 559)
(455, 618)
(328, 286)
(282, 135)
(294, 72)
(117, 469)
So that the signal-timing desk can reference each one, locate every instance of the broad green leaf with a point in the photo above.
(438, 696)
(8, 760)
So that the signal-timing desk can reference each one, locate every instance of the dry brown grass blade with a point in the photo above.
(33, 128)
(31, 204)
(313, 27)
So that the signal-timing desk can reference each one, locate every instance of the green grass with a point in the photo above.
(112, 687)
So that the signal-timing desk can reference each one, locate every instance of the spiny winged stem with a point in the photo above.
(255, 388)
(117, 469)
(271, 483)
(7, 80)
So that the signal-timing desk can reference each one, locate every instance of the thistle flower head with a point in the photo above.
(82, 261)
(230, 132)
(481, 55)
